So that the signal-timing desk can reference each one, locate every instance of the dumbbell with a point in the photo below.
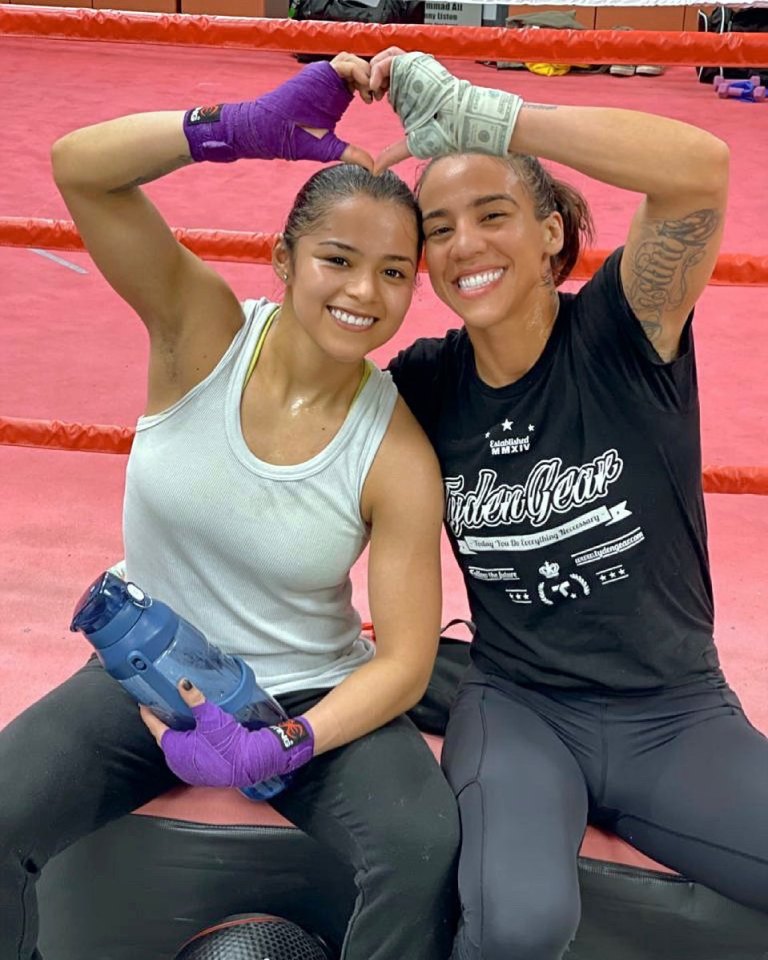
(750, 89)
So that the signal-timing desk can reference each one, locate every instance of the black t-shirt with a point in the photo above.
(573, 499)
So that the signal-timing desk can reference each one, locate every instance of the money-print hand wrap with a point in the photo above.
(442, 115)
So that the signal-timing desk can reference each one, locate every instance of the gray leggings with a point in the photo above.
(81, 757)
(680, 774)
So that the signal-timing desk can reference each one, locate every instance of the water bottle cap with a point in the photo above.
(108, 609)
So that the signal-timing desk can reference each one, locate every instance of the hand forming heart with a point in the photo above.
(370, 81)
(441, 114)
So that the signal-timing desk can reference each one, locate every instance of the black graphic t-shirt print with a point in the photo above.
(573, 499)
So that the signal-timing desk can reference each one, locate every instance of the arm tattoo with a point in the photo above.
(175, 164)
(662, 262)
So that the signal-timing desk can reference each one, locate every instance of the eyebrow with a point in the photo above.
(479, 202)
(345, 246)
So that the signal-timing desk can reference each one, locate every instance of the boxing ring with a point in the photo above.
(72, 362)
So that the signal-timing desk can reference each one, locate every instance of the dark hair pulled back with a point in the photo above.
(332, 185)
(551, 195)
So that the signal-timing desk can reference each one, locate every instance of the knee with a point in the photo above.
(16, 846)
(525, 932)
(531, 939)
(439, 835)
(20, 832)
(426, 851)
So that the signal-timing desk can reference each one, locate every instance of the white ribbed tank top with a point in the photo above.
(257, 556)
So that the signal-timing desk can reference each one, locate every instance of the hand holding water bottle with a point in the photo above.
(220, 752)
(150, 650)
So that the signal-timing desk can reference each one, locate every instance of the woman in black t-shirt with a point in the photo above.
(567, 427)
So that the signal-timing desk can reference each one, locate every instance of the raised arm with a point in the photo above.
(681, 170)
(189, 311)
(99, 171)
(675, 234)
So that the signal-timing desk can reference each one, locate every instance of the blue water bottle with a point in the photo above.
(149, 648)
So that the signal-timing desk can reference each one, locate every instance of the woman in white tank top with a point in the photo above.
(269, 455)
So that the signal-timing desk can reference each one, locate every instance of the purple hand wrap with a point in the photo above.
(270, 128)
(220, 752)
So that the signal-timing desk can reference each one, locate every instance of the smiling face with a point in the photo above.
(487, 254)
(351, 276)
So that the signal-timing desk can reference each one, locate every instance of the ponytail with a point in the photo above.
(550, 195)
(578, 229)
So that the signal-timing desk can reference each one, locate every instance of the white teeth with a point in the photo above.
(351, 318)
(477, 280)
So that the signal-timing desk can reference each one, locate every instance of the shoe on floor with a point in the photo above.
(622, 70)
(649, 70)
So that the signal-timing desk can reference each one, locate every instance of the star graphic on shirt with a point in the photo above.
(487, 434)
(507, 425)
(531, 428)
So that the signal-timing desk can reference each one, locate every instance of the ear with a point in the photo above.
(281, 260)
(553, 233)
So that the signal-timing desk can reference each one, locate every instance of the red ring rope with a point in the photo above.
(732, 269)
(311, 36)
(97, 438)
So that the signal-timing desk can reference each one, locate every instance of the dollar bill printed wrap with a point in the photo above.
(442, 115)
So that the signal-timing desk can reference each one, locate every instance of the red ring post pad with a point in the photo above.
(313, 36)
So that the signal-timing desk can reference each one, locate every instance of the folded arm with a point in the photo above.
(675, 234)
(681, 170)
(189, 311)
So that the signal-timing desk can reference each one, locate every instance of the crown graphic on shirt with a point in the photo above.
(549, 570)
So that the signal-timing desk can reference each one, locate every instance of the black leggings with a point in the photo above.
(81, 757)
(681, 775)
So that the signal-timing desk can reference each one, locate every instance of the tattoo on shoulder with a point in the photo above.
(175, 164)
(662, 261)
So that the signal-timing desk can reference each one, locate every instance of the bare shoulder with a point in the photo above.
(186, 348)
(405, 443)
(405, 472)
(210, 307)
